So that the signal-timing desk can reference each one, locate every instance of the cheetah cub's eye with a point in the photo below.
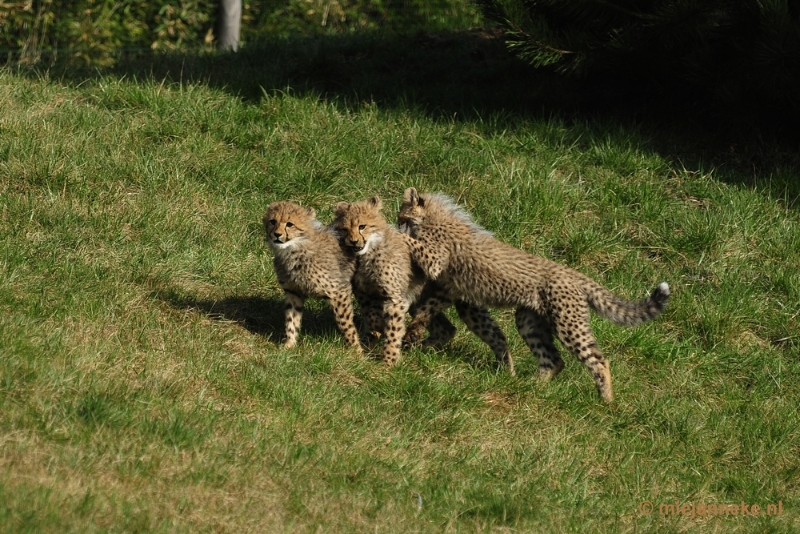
(361, 227)
(273, 222)
(289, 224)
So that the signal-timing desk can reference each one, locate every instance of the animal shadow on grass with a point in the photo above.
(258, 314)
(478, 357)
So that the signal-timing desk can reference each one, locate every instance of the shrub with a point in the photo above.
(733, 50)
(95, 31)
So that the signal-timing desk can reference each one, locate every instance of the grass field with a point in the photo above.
(142, 382)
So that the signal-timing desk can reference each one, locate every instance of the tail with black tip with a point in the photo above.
(624, 312)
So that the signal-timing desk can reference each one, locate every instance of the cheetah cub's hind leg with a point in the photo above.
(342, 306)
(371, 321)
(570, 321)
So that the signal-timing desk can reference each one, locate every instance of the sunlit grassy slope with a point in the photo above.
(142, 382)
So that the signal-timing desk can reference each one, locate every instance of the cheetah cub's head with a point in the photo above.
(412, 212)
(360, 225)
(288, 224)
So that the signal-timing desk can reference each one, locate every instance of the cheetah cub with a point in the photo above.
(550, 299)
(387, 284)
(309, 262)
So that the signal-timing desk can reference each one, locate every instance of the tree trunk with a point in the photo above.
(228, 24)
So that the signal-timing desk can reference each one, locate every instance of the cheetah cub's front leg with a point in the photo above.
(342, 314)
(426, 313)
(294, 318)
(395, 327)
(537, 334)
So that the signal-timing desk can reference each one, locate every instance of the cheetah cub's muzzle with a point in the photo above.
(279, 235)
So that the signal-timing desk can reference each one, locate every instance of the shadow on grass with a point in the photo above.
(257, 314)
(471, 75)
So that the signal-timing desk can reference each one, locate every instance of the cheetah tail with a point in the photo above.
(629, 313)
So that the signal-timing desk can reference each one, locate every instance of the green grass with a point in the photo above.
(143, 387)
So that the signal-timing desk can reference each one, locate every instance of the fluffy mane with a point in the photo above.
(446, 203)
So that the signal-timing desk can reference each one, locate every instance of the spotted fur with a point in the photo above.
(385, 280)
(551, 300)
(309, 262)
(427, 312)
(388, 284)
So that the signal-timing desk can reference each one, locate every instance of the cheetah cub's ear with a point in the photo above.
(412, 197)
(376, 203)
(312, 213)
(340, 209)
